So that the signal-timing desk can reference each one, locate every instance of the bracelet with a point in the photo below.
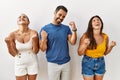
(74, 30)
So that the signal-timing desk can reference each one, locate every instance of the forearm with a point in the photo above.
(108, 50)
(73, 38)
(81, 50)
(12, 50)
(43, 45)
(35, 45)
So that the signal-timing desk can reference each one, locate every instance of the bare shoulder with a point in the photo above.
(12, 35)
(33, 32)
(105, 35)
(84, 36)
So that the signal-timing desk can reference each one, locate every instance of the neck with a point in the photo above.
(54, 22)
(23, 29)
(96, 32)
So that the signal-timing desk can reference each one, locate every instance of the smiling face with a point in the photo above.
(59, 16)
(96, 23)
(23, 20)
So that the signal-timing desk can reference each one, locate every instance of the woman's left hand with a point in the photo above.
(112, 43)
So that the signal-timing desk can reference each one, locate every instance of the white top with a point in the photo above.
(24, 46)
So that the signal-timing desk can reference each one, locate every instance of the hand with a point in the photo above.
(7, 40)
(112, 43)
(73, 26)
(44, 35)
(86, 41)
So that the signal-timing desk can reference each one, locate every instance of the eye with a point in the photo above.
(60, 14)
(24, 17)
(94, 20)
(98, 19)
(19, 17)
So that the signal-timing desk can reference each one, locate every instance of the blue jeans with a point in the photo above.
(93, 66)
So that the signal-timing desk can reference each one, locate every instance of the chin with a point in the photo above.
(59, 22)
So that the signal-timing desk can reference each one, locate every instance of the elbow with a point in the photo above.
(35, 50)
(43, 49)
(12, 53)
(80, 53)
(106, 53)
(73, 43)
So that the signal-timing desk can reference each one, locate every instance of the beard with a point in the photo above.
(58, 20)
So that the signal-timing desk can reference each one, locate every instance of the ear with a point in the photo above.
(28, 22)
(55, 13)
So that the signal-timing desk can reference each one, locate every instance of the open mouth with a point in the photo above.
(97, 24)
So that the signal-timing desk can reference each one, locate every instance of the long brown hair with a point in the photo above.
(90, 35)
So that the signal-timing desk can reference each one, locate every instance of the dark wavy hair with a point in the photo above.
(90, 35)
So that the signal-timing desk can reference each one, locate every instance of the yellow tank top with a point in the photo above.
(99, 51)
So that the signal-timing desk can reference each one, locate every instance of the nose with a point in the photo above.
(22, 18)
(61, 17)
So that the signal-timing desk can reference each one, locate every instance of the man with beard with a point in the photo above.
(54, 38)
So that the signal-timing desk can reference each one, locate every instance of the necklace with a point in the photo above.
(23, 34)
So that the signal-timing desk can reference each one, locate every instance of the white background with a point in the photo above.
(41, 12)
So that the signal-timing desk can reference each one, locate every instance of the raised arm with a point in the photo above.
(43, 41)
(73, 37)
(109, 46)
(11, 44)
(35, 42)
(83, 44)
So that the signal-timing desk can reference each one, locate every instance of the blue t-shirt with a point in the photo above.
(57, 45)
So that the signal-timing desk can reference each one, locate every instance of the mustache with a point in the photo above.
(59, 19)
